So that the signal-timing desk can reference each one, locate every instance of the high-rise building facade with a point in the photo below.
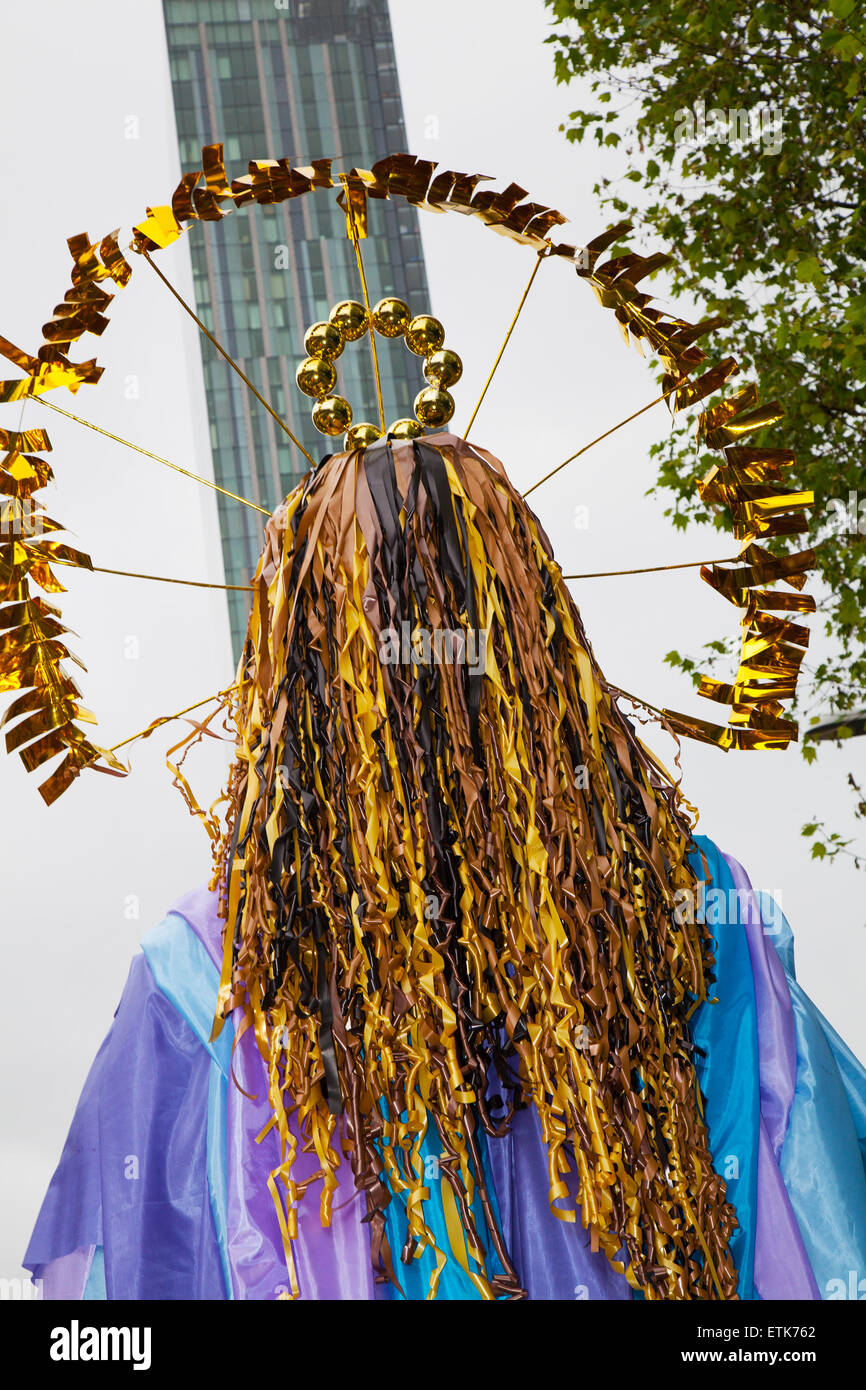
(302, 79)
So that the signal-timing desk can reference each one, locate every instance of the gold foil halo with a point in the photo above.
(207, 194)
(43, 721)
(349, 321)
(754, 721)
(750, 485)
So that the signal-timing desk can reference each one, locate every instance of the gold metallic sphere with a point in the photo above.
(443, 368)
(391, 317)
(434, 407)
(405, 429)
(324, 340)
(351, 318)
(424, 334)
(333, 415)
(316, 377)
(361, 435)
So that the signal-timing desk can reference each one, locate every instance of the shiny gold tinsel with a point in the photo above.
(420, 719)
(32, 645)
(749, 482)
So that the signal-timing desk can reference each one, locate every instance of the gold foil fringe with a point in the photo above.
(748, 482)
(519, 797)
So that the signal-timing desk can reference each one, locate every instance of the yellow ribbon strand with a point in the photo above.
(166, 578)
(653, 569)
(545, 251)
(353, 226)
(232, 363)
(607, 433)
(157, 458)
(168, 718)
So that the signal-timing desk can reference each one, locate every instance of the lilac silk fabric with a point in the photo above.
(132, 1179)
(331, 1263)
(162, 1188)
(782, 1268)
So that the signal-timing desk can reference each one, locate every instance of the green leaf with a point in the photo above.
(849, 610)
(848, 47)
(769, 234)
(809, 269)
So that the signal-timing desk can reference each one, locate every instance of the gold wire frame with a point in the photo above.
(749, 482)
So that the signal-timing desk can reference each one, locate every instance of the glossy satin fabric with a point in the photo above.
(183, 972)
(552, 1257)
(132, 1178)
(785, 1106)
(782, 1268)
(455, 1277)
(728, 1071)
(331, 1263)
(68, 1276)
(822, 1160)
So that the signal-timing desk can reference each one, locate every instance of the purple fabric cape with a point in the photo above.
(133, 1180)
(782, 1268)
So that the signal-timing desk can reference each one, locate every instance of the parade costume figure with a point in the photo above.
(472, 1039)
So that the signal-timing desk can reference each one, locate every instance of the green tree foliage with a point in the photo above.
(744, 128)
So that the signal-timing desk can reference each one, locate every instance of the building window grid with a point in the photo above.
(393, 255)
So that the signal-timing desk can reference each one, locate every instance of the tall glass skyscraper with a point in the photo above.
(302, 79)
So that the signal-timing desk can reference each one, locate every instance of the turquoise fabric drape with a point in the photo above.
(728, 1070)
(185, 974)
(823, 1154)
(817, 1136)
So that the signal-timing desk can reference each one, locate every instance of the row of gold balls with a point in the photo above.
(350, 320)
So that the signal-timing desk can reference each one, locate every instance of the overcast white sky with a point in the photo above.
(83, 880)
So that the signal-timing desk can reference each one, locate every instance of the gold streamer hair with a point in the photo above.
(372, 778)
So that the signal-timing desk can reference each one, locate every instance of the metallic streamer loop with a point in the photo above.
(449, 870)
(749, 482)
